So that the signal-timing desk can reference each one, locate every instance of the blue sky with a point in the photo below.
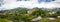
(10, 4)
(45, 0)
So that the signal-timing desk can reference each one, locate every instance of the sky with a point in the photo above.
(10, 4)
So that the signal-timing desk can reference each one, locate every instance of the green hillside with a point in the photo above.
(21, 15)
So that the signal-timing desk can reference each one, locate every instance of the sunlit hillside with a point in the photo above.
(29, 10)
(30, 15)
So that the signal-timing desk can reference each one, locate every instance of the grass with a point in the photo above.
(4, 20)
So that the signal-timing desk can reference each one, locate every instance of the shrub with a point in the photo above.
(4, 20)
(57, 20)
(44, 20)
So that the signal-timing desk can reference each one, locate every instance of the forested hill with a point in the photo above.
(16, 9)
(26, 9)
(20, 14)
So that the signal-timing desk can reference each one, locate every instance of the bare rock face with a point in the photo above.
(58, 16)
(51, 18)
(36, 19)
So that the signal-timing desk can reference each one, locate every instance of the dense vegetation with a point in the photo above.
(21, 15)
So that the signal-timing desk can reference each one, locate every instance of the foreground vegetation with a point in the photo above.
(21, 15)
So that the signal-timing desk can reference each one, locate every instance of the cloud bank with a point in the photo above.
(10, 4)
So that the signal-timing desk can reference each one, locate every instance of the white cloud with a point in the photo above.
(10, 4)
(57, 1)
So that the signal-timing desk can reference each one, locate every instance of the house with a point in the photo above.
(29, 12)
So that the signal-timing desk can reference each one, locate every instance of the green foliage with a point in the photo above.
(20, 14)
(39, 12)
(25, 17)
(57, 20)
(54, 15)
(36, 12)
(44, 20)
(4, 20)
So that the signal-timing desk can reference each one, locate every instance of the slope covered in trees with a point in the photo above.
(21, 15)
